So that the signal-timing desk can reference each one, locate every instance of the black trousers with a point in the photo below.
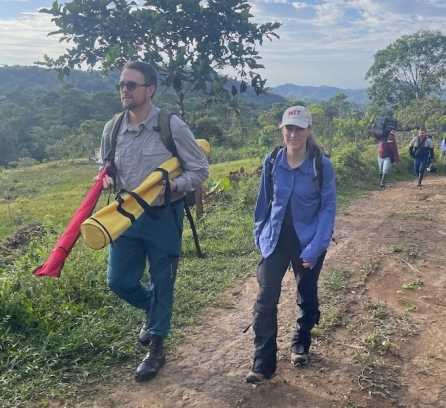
(270, 274)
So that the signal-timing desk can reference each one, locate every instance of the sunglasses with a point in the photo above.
(130, 85)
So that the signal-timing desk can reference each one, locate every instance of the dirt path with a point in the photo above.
(380, 343)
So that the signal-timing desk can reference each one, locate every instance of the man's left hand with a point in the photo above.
(173, 187)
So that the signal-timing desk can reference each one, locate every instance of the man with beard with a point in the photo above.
(139, 151)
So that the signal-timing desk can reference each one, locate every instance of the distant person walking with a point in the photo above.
(443, 147)
(294, 221)
(421, 149)
(387, 155)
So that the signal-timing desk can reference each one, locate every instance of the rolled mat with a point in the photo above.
(108, 224)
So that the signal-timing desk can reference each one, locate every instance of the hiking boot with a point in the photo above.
(144, 335)
(299, 359)
(255, 378)
(153, 361)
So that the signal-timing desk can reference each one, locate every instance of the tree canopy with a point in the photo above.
(189, 41)
(412, 67)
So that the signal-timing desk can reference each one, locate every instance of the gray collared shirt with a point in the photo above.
(139, 151)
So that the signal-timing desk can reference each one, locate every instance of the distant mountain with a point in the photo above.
(12, 77)
(33, 76)
(322, 93)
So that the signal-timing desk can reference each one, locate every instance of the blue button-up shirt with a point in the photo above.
(313, 210)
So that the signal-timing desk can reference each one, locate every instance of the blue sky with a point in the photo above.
(322, 42)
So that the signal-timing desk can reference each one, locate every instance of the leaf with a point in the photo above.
(192, 40)
(208, 104)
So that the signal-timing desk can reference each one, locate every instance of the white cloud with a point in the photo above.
(25, 40)
(436, 3)
(328, 13)
(299, 5)
(329, 42)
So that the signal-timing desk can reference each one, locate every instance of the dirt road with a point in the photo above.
(380, 342)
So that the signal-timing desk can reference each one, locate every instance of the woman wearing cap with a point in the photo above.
(294, 221)
(387, 155)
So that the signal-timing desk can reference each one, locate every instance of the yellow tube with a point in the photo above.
(108, 224)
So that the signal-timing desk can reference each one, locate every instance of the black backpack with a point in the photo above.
(317, 167)
(165, 132)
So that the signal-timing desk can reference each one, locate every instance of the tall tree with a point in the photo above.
(414, 115)
(339, 105)
(189, 41)
(410, 68)
(357, 115)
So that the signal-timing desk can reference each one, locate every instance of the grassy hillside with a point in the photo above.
(59, 335)
(56, 189)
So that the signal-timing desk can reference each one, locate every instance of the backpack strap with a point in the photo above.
(113, 135)
(165, 131)
(271, 168)
(318, 169)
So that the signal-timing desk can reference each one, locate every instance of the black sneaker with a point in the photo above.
(153, 361)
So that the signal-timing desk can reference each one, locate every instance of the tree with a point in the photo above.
(339, 106)
(414, 115)
(273, 116)
(410, 68)
(189, 41)
(320, 121)
(270, 136)
(437, 123)
(345, 128)
(208, 128)
(357, 115)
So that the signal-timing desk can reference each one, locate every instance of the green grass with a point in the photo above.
(222, 169)
(337, 280)
(59, 335)
(52, 188)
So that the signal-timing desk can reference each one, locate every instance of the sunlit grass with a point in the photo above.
(58, 335)
(222, 169)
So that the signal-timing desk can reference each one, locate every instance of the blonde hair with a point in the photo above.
(313, 146)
